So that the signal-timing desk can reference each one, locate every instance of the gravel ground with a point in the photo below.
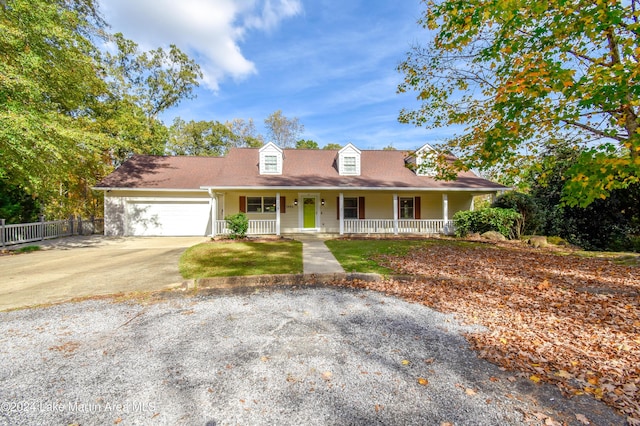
(307, 356)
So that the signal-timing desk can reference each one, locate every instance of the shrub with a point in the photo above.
(504, 221)
(238, 224)
(526, 206)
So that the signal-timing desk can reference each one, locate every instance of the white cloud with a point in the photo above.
(208, 30)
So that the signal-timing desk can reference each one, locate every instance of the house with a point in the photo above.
(350, 191)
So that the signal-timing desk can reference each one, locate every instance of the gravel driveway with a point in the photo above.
(283, 356)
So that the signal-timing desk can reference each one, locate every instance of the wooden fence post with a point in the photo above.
(80, 230)
(2, 222)
(71, 225)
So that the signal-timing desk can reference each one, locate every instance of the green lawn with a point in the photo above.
(227, 259)
(356, 255)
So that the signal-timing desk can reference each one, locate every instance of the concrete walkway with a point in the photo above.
(316, 257)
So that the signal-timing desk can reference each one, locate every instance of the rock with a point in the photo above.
(538, 241)
(493, 236)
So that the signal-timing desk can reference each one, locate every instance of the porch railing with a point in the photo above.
(21, 233)
(256, 227)
(405, 226)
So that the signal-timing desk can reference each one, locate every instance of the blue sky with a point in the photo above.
(330, 63)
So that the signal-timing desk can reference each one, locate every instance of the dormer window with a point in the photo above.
(422, 159)
(271, 157)
(349, 161)
(270, 164)
(349, 165)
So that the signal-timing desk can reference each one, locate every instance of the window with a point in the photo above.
(261, 204)
(351, 208)
(406, 208)
(350, 165)
(270, 163)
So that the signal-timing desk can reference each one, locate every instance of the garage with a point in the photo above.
(189, 217)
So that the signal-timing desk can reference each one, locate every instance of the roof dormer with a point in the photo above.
(423, 155)
(349, 161)
(271, 157)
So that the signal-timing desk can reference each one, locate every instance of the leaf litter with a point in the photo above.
(563, 319)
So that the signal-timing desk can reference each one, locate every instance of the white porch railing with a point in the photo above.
(256, 227)
(405, 226)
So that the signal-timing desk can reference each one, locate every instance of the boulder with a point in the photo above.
(538, 241)
(493, 236)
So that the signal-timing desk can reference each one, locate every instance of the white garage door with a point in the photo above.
(168, 218)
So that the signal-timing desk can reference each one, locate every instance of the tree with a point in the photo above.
(199, 138)
(335, 146)
(603, 225)
(516, 75)
(307, 144)
(70, 112)
(16, 206)
(283, 131)
(143, 85)
(389, 147)
(50, 90)
(245, 132)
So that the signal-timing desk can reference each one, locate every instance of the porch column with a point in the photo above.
(395, 214)
(277, 213)
(341, 208)
(445, 207)
(213, 204)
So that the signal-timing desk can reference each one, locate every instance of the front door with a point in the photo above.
(309, 213)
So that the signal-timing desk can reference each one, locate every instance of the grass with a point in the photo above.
(357, 255)
(225, 259)
(27, 249)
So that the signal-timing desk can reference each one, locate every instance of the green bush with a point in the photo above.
(238, 224)
(504, 221)
(526, 206)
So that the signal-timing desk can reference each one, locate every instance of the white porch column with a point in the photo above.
(277, 213)
(445, 207)
(395, 214)
(473, 205)
(213, 204)
(341, 208)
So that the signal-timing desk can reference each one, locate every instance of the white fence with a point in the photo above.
(405, 226)
(256, 227)
(37, 231)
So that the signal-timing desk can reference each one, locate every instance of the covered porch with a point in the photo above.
(338, 213)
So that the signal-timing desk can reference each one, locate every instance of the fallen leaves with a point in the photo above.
(422, 381)
(564, 319)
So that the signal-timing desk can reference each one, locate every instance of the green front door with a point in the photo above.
(309, 212)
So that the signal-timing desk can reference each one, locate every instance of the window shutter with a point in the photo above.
(338, 208)
(283, 205)
(243, 204)
(360, 207)
(416, 208)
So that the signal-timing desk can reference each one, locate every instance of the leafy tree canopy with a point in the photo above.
(517, 77)
(70, 111)
(307, 144)
(283, 131)
(245, 132)
(332, 146)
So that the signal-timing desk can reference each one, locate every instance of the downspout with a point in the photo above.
(214, 211)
